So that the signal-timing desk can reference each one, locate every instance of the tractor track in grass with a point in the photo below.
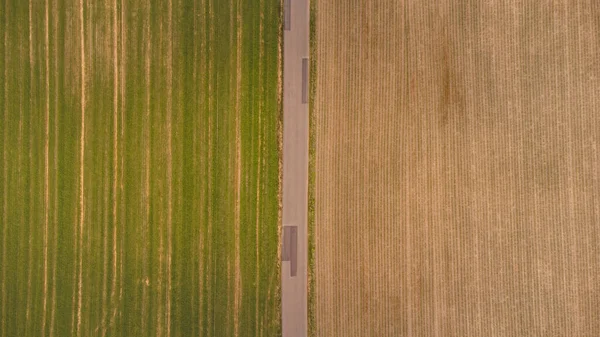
(81, 172)
(46, 164)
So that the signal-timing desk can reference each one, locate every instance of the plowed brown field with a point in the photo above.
(456, 168)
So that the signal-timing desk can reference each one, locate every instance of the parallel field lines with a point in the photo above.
(455, 166)
(140, 172)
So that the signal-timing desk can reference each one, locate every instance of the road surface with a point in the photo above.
(295, 167)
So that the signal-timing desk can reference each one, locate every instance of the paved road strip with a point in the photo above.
(295, 164)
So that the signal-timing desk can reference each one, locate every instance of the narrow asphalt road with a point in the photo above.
(295, 167)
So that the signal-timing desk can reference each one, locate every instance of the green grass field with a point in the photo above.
(140, 168)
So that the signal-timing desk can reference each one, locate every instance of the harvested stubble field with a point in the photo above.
(140, 170)
(456, 168)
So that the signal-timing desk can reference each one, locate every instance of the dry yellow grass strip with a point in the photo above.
(5, 178)
(169, 163)
(81, 171)
(237, 287)
(31, 227)
(457, 168)
(121, 78)
(46, 166)
(55, 182)
(115, 44)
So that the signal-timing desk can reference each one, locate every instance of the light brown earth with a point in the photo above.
(457, 189)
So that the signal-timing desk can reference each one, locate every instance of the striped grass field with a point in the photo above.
(456, 168)
(140, 168)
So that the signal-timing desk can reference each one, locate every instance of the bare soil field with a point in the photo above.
(456, 168)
